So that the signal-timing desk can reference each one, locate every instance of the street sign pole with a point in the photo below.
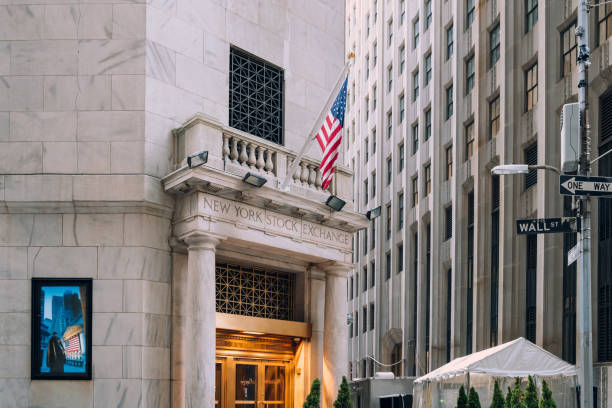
(585, 352)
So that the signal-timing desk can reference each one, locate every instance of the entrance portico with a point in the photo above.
(221, 220)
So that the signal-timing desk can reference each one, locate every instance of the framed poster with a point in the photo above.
(61, 329)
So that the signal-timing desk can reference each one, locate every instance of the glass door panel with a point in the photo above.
(218, 385)
(274, 392)
(246, 386)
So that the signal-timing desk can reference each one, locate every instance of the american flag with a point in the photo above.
(330, 136)
(74, 345)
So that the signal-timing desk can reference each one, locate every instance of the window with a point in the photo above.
(530, 291)
(375, 11)
(374, 98)
(427, 185)
(367, 66)
(427, 289)
(415, 191)
(449, 163)
(364, 279)
(449, 102)
(373, 234)
(427, 124)
(390, 32)
(402, 58)
(427, 68)
(400, 218)
(604, 245)
(495, 200)
(367, 25)
(604, 26)
(364, 324)
(388, 223)
(415, 33)
(494, 117)
(531, 14)
(494, 44)
(449, 42)
(351, 288)
(568, 49)
(389, 124)
(366, 151)
(372, 323)
(256, 96)
(400, 258)
(367, 108)
(402, 11)
(401, 157)
(469, 278)
(415, 138)
(531, 157)
(389, 78)
(374, 55)
(402, 110)
(373, 184)
(365, 241)
(415, 86)
(374, 141)
(448, 217)
(389, 170)
(469, 75)
(449, 293)
(365, 191)
(469, 13)
(415, 316)
(388, 265)
(469, 140)
(356, 322)
(427, 14)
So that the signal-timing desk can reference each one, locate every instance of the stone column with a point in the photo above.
(317, 320)
(201, 320)
(335, 332)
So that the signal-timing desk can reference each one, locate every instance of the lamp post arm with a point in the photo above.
(544, 167)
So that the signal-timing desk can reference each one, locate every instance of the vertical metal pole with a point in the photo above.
(585, 352)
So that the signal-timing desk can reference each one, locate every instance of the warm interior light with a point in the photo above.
(335, 203)
(253, 332)
(254, 179)
(197, 159)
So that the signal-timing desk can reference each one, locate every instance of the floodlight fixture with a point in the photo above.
(197, 159)
(373, 213)
(335, 203)
(254, 179)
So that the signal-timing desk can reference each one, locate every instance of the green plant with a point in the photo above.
(462, 400)
(531, 394)
(473, 400)
(498, 397)
(508, 400)
(344, 396)
(516, 399)
(314, 398)
(547, 400)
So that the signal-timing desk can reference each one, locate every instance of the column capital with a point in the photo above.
(334, 268)
(201, 240)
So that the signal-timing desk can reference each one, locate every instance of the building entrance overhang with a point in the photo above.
(258, 325)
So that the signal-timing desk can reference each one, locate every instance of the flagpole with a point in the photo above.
(313, 133)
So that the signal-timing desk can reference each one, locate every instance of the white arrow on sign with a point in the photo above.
(572, 254)
(597, 186)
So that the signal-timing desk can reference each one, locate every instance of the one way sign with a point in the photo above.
(582, 185)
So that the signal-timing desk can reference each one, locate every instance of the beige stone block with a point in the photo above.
(15, 328)
(60, 93)
(62, 262)
(5, 57)
(147, 230)
(20, 157)
(127, 157)
(13, 263)
(61, 394)
(47, 230)
(15, 361)
(21, 93)
(112, 188)
(157, 330)
(209, 16)
(216, 52)
(129, 21)
(134, 263)
(94, 92)
(96, 21)
(92, 229)
(155, 363)
(158, 130)
(98, 57)
(16, 229)
(93, 157)
(160, 62)
(15, 297)
(174, 34)
(60, 157)
(156, 297)
(38, 188)
(14, 392)
(156, 393)
(117, 329)
(2, 188)
(169, 101)
(132, 357)
(61, 21)
(128, 92)
(193, 76)
(43, 126)
(108, 295)
(4, 126)
(107, 361)
(21, 22)
(158, 160)
(47, 57)
(116, 393)
(111, 126)
(132, 296)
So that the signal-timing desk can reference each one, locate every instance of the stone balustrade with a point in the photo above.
(238, 152)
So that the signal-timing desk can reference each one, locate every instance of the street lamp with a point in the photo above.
(505, 169)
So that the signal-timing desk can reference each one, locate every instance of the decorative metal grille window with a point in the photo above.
(256, 96)
(531, 157)
(254, 292)
(448, 215)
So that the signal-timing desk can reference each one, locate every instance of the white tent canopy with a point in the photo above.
(517, 358)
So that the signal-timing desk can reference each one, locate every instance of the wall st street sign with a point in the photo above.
(545, 225)
(584, 185)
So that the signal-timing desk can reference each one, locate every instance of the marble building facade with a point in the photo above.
(442, 91)
(100, 103)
